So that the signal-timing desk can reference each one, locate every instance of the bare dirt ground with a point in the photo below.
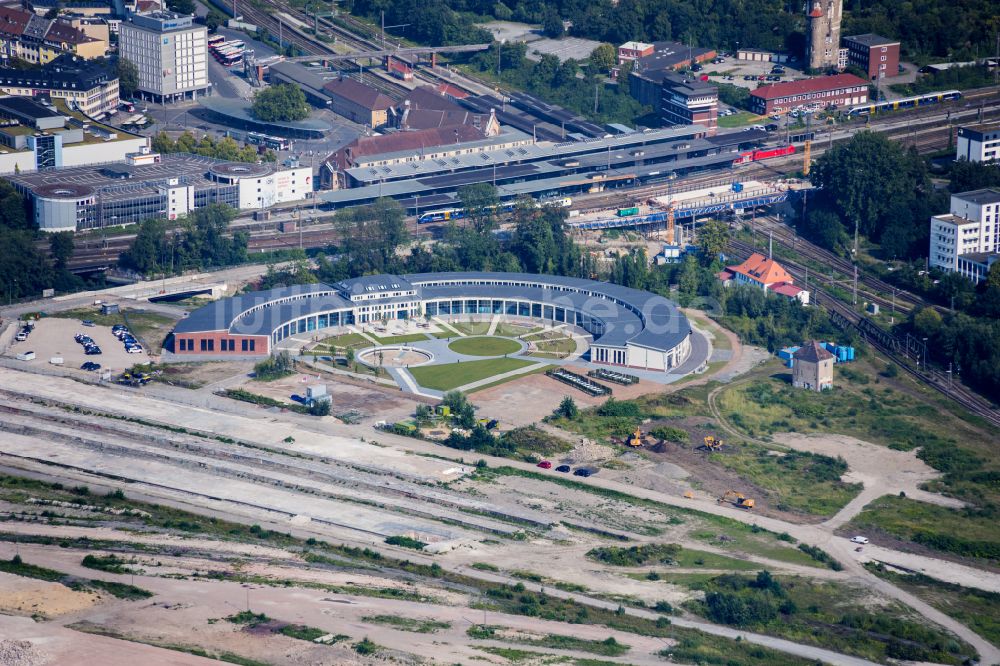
(881, 470)
(27, 596)
(194, 375)
(372, 401)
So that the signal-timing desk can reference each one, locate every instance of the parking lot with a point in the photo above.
(53, 338)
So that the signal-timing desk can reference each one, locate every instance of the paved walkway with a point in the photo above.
(493, 325)
(445, 325)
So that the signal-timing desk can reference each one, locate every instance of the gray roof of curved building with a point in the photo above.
(630, 316)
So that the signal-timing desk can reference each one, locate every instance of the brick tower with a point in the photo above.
(824, 33)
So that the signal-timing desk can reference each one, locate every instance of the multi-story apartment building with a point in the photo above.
(91, 87)
(968, 237)
(29, 37)
(170, 52)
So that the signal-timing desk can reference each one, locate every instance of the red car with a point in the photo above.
(545, 464)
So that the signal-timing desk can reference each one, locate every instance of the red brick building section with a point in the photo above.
(819, 92)
(874, 54)
(220, 343)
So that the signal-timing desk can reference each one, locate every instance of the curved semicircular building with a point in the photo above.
(630, 327)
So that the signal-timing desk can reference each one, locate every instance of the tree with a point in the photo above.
(463, 413)
(874, 183)
(371, 235)
(214, 19)
(128, 77)
(280, 103)
(993, 277)
(61, 248)
(185, 7)
(604, 57)
(480, 201)
(567, 409)
(713, 237)
(552, 24)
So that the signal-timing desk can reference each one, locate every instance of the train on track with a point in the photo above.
(763, 154)
(905, 103)
(447, 214)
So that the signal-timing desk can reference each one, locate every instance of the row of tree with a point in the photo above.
(203, 241)
(225, 148)
(580, 86)
(25, 268)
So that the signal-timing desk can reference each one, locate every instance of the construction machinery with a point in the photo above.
(738, 500)
(712, 443)
(636, 440)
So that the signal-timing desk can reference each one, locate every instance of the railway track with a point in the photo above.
(887, 343)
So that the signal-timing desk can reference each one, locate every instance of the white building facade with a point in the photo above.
(979, 143)
(970, 228)
(170, 52)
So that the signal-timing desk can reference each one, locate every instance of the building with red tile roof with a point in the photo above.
(764, 273)
(819, 92)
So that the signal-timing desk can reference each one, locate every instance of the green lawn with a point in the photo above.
(400, 339)
(472, 327)
(739, 119)
(967, 533)
(484, 346)
(452, 375)
(977, 609)
(828, 614)
(344, 341)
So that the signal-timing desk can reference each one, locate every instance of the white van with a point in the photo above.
(26, 356)
(56, 360)
(859, 539)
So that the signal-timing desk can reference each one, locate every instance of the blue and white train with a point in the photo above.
(447, 214)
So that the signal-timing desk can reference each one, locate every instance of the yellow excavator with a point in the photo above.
(738, 500)
(712, 444)
(635, 439)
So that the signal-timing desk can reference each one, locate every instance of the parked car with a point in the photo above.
(90, 366)
(582, 471)
(771, 127)
(545, 464)
(88, 323)
(92, 350)
(859, 539)
(562, 468)
(21, 336)
(134, 349)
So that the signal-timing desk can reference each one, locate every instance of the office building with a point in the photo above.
(879, 56)
(148, 186)
(687, 101)
(979, 143)
(968, 234)
(646, 80)
(170, 52)
(630, 328)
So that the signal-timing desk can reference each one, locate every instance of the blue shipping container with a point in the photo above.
(737, 187)
(850, 353)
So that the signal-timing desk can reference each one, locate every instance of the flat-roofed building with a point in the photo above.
(877, 55)
(979, 143)
(971, 228)
(171, 53)
(687, 101)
